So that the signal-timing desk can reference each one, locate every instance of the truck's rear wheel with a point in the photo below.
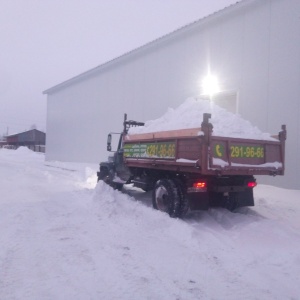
(231, 202)
(235, 200)
(166, 197)
(184, 203)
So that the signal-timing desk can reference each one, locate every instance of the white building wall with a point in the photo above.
(253, 48)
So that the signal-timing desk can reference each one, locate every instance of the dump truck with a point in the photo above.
(192, 169)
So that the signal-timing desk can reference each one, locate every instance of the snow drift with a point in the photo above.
(64, 237)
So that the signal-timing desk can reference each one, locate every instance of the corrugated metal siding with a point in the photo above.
(26, 137)
(252, 48)
(30, 137)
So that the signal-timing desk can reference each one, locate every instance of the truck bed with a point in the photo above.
(197, 150)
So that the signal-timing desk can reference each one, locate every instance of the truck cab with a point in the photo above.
(113, 171)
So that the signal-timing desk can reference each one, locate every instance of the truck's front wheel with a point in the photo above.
(102, 175)
(166, 197)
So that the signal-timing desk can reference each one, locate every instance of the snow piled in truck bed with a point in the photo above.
(190, 115)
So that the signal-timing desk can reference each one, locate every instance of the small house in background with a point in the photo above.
(33, 139)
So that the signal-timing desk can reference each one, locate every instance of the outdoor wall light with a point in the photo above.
(210, 85)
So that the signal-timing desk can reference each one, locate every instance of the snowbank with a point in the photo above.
(190, 115)
(63, 236)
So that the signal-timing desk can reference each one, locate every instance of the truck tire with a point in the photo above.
(102, 175)
(184, 203)
(116, 186)
(231, 202)
(107, 177)
(166, 197)
(239, 199)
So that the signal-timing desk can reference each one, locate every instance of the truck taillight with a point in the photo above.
(251, 184)
(199, 185)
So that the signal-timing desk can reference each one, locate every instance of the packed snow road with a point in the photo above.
(63, 237)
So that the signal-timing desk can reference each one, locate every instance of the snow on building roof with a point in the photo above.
(157, 42)
(15, 134)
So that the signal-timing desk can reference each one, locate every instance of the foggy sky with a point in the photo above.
(45, 42)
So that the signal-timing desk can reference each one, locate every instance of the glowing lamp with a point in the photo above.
(210, 85)
(199, 185)
(252, 184)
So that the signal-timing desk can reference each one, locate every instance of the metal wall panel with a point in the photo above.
(253, 48)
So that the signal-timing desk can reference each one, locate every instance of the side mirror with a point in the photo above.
(109, 142)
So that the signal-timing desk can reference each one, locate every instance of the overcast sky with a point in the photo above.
(45, 42)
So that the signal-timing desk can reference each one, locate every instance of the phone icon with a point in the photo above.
(218, 150)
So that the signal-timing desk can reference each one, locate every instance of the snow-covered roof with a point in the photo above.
(15, 134)
(175, 34)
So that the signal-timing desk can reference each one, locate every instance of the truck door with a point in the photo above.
(121, 170)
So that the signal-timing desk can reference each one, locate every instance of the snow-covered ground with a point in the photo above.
(64, 237)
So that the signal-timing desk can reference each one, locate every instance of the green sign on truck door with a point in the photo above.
(150, 150)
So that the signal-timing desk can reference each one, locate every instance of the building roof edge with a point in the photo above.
(146, 46)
